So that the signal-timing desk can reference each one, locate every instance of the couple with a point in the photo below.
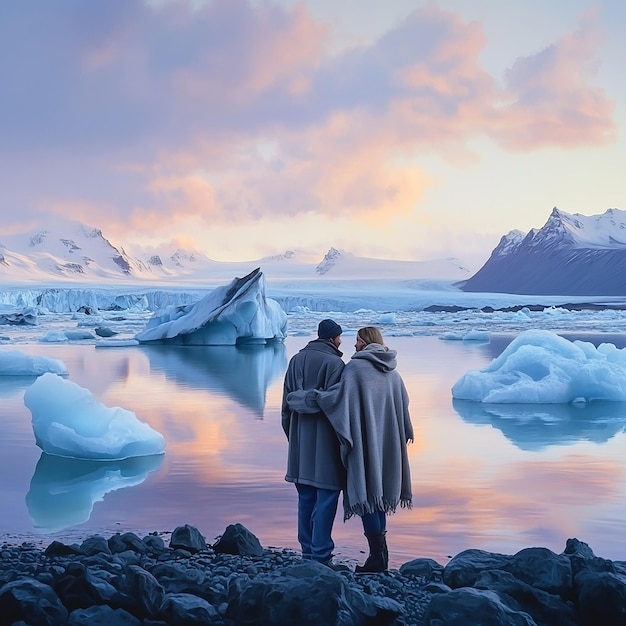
(347, 427)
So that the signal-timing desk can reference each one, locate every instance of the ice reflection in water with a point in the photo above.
(243, 373)
(63, 491)
(537, 426)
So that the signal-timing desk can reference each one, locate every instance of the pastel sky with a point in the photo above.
(402, 129)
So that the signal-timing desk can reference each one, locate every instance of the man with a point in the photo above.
(313, 460)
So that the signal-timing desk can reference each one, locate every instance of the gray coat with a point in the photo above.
(313, 457)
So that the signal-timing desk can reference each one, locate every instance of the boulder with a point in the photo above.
(32, 602)
(237, 539)
(464, 568)
(465, 606)
(308, 594)
(542, 569)
(185, 609)
(601, 598)
(188, 538)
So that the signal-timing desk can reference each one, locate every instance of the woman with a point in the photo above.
(368, 409)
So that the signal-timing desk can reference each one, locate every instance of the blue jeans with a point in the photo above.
(374, 523)
(316, 515)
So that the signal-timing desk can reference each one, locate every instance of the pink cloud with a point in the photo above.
(142, 112)
(552, 101)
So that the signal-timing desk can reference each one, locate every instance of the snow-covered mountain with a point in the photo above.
(70, 252)
(570, 255)
(340, 264)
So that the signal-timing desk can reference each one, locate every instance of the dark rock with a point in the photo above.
(178, 578)
(582, 558)
(465, 567)
(102, 615)
(465, 606)
(543, 569)
(188, 538)
(56, 548)
(185, 609)
(305, 594)
(545, 608)
(237, 539)
(82, 587)
(145, 589)
(601, 598)
(154, 544)
(127, 541)
(31, 601)
(94, 545)
(574, 547)
(428, 568)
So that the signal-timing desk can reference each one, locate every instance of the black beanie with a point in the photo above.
(328, 329)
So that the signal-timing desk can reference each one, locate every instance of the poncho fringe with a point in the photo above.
(380, 504)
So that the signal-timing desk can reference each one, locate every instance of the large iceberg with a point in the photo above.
(68, 421)
(539, 366)
(234, 314)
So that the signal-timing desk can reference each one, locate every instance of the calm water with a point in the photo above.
(500, 478)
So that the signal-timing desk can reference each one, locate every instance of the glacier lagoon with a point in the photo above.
(497, 478)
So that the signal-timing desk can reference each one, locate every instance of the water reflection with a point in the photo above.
(536, 426)
(243, 373)
(10, 385)
(63, 491)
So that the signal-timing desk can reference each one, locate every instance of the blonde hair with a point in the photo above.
(370, 334)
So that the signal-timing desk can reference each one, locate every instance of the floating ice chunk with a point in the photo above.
(387, 318)
(68, 421)
(78, 335)
(477, 335)
(538, 366)
(54, 336)
(234, 314)
(116, 343)
(16, 363)
(472, 335)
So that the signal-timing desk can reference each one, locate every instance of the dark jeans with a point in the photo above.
(316, 516)
(374, 523)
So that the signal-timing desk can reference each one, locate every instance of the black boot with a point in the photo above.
(378, 559)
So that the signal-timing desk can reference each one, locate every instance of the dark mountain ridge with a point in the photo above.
(573, 255)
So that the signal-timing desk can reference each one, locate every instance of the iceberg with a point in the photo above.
(540, 367)
(17, 363)
(68, 421)
(234, 314)
(14, 316)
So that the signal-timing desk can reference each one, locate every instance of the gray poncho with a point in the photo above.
(368, 409)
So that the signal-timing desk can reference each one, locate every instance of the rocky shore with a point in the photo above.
(131, 581)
